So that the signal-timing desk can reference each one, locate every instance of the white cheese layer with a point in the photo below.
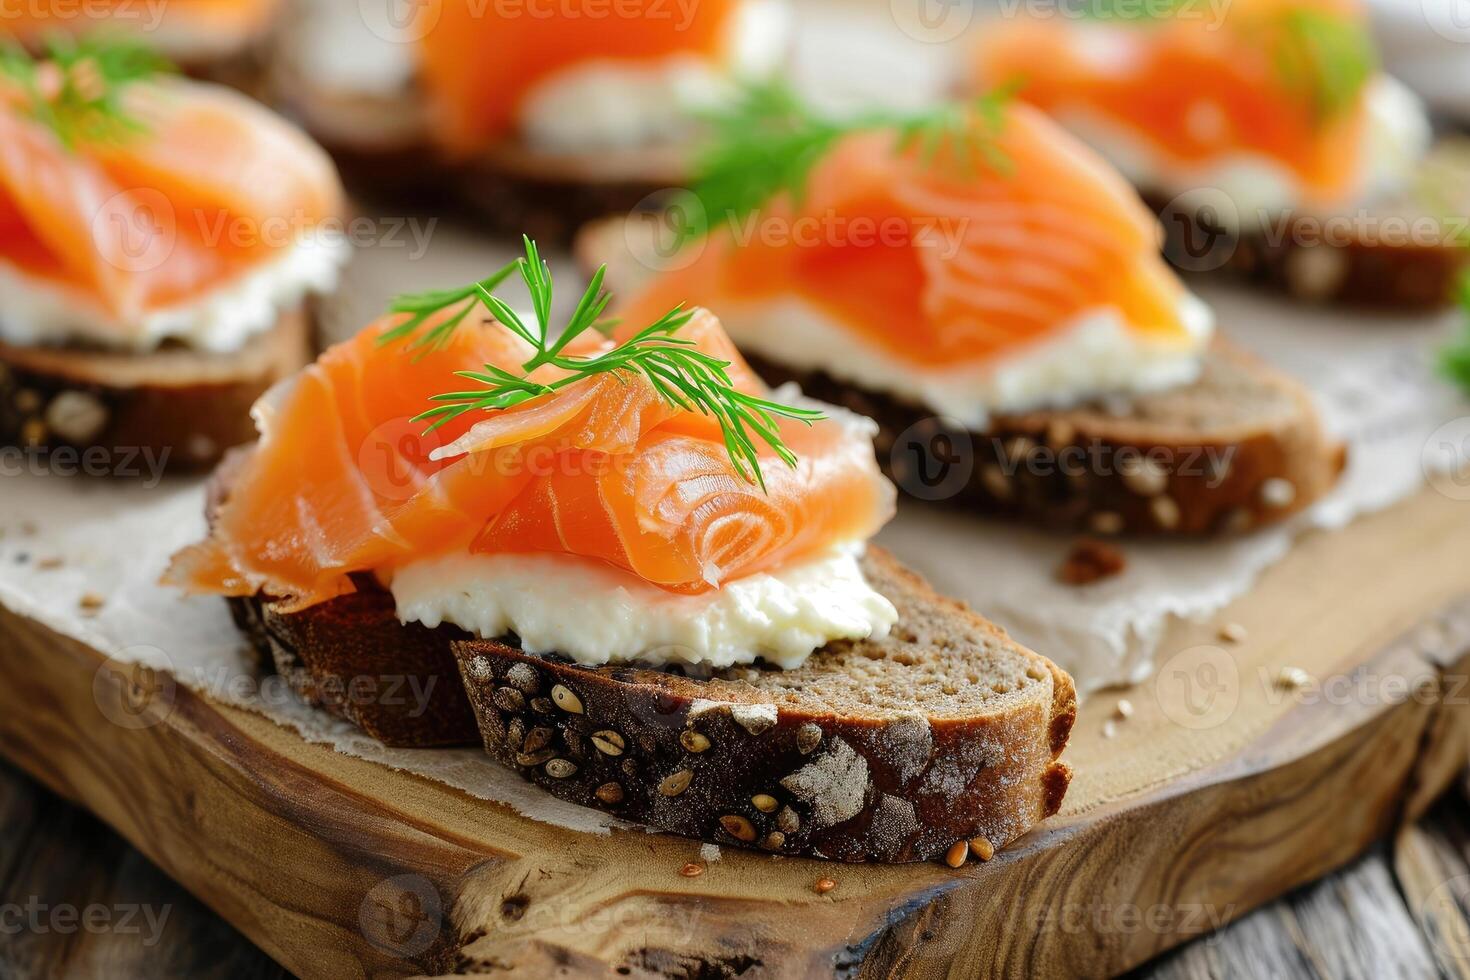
(1247, 190)
(37, 311)
(596, 614)
(1095, 355)
(619, 104)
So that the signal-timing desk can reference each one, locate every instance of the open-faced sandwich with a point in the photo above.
(650, 573)
(222, 40)
(540, 117)
(159, 242)
(1265, 131)
(991, 292)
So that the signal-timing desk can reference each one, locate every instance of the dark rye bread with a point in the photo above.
(1241, 447)
(1405, 254)
(184, 407)
(888, 750)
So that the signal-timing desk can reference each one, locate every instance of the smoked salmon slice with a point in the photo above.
(604, 469)
(1277, 79)
(200, 187)
(477, 68)
(941, 259)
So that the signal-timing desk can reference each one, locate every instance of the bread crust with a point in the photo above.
(183, 407)
(1140, 467)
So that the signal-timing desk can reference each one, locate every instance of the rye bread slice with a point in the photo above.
(185, 407)
(1241, 447)
(888, 750)
(1407, 253)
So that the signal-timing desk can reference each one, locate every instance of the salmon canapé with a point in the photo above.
(124, 228)
(605, 469)
(894, 265)
(1283, 91)
(490, 76)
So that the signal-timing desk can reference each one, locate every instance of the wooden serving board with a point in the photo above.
(1223, 789)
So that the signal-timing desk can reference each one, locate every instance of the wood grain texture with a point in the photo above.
(1194, 813)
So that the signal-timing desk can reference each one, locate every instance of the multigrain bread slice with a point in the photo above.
(1408, 253)
(179, 406)
(1239, 448)
(885, 750)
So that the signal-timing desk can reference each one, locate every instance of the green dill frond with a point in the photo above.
(677, 370)
(76, 87)
(1325, 57)
(768, 141)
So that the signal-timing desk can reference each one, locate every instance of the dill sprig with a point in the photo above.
(768, 140)
(1454, 360)
(1325, 57)
(678, 370)
(76, 87)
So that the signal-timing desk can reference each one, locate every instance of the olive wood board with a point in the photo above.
(1224, 787)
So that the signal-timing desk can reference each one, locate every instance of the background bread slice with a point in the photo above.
(891, 750)
(1406, 253)
(1241, 447)
(183, 406)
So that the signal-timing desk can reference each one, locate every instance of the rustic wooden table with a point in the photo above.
(77, 902)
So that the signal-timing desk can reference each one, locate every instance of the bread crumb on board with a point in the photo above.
(709, 853)
(824, 885)
(692, 870)
(1090, 560)
(91, 602)
(1233, 633)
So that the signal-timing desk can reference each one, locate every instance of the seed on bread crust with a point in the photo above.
(738, 827)
(508, 699)
(693, 741)
(774, 841)
(808, 737)
(537, 739)
(788, 821)
(676, 783)
(982, 848)
(957, 853)
(534, 758)
(1144, 476)
(566, 700)
(764, 802)
(561, 768)
(523, 678)
(608, 742)
(610, 793)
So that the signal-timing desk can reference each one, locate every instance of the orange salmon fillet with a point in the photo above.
(604, 469)
(941, 262)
